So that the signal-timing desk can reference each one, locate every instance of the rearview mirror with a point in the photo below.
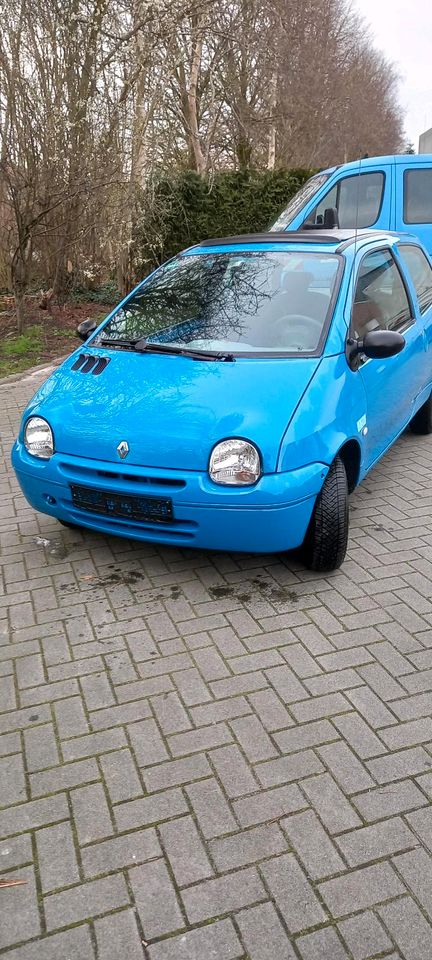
(86, 328)
(376, 345)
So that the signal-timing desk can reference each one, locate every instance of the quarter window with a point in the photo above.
(418, 196)
(381, 301)
(358, 200)
(421, 274)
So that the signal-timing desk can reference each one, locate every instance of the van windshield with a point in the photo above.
(260, 303)
(298, 201)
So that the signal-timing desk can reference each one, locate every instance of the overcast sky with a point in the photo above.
(403, 31)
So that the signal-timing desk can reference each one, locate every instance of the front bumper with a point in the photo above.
(269, 517)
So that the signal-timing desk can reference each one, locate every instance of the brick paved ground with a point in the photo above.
(206, 755)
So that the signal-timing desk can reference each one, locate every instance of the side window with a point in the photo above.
(380, 301)
(421, 273)
(418, 196)
(358, 200)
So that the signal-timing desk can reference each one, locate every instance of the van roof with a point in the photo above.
(407, 159)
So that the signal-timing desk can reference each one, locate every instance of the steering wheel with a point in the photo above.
(295, 328)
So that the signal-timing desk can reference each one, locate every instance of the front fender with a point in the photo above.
(329, 414)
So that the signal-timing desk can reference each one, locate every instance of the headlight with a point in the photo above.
(235, 463)
(38, 438)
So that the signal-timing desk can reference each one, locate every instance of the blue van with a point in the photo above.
(386, 193)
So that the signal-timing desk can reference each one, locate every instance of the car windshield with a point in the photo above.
(298, 201)
(260, 303)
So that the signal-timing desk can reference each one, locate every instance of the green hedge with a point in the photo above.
(178, 210)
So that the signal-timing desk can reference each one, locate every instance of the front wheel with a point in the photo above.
(421, 422)
(325, 544)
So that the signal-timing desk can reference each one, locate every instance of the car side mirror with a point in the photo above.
(377, 345)
(85, 328)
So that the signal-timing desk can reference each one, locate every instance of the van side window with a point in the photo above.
(358, 200)
(418, 196)
(381, 301)
(421, 274)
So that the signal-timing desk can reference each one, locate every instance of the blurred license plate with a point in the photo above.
(156, 509)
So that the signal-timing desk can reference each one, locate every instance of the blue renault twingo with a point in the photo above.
(238, 394)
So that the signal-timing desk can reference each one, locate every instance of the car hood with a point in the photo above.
(171, 410)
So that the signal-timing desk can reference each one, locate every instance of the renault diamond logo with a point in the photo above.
(123, 449)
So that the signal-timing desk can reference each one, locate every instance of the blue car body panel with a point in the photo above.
(172, 410)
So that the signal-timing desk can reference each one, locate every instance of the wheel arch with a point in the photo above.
(350, 454)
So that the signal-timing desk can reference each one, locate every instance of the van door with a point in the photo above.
(414, 199)
(362, 197)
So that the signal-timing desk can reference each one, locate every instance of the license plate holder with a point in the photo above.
(123, 506)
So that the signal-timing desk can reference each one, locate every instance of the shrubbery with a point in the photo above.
(178, 210)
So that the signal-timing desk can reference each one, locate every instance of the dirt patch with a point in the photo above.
(46, 335)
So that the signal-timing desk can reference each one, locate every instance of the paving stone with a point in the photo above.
(36, 813)
(269, 805)
(70, 717)
(416, 869)
(408, 928)
(365, 935)
(390, 800)
(347, 770)
(408, 734)
(317, 707)
(321, 944)
(219, 941)
(185, 851)
(233, 772)
(271, 711)
(170, 713)
(213, 898)
(74, 944)
(286, 769)
(364, 888)
(147, 743)
(203, 739)
(359, 736)
(305, 735)
(125, 851)
(263, 934)
(91, 814)
(247, 847)
(176, 771)
(20, 914)
(210, 808)
(293, 893)
(58, 865)
(375, 842)
(117, 934)
(15, 852)
(333, 808)
(64, 777)
(313, 845)
(253, 738)
(372, 709)
(404, 763)
(121, 776)
(12, 780)
(155, 899)
(93, 744)
(87, 900)
(149, 810)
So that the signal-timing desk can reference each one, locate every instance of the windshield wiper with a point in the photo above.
(147, 346)
(128, 342)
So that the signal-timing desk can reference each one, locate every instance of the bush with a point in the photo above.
(178, 210)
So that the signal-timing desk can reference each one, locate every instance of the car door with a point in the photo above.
(382, 302)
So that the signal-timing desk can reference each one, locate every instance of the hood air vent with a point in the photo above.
(88, 363)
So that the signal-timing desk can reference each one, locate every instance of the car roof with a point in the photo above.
(338, 238)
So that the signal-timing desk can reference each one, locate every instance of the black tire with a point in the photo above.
(326, 540)
(421, 422)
